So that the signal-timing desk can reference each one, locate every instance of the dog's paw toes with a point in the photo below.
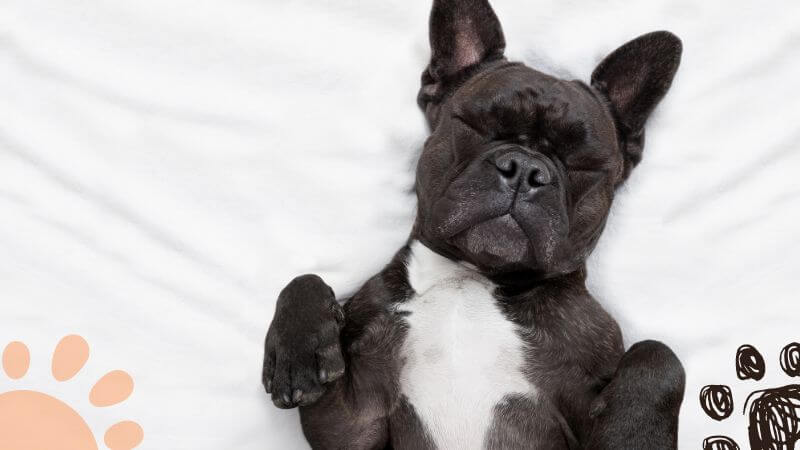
(330, 363)
(294, 384)
(296, 375)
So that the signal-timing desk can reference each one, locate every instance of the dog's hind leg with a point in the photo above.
(639, 408)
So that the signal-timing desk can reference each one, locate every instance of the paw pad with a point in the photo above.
(31, 420)
(774, 414)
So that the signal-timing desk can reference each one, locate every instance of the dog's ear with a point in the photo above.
(635, 78)
(463, 34)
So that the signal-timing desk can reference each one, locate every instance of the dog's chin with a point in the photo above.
(496, 245)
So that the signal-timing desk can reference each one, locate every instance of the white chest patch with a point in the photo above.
(462, 355)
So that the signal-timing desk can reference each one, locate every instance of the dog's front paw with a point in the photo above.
(302, 352)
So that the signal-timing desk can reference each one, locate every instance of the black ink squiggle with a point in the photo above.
(717, 401)
(720, 443)
(790, 359)
(775, 418)
(749, 363)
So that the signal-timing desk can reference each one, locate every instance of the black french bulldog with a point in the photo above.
(480, 333)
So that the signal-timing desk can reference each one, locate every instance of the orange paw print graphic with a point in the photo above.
(32, 420)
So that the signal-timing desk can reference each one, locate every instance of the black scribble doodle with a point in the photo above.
(749, 363)
(775, 418)
(719, 443)
(717, 401)
(773, 414)
(790, 359)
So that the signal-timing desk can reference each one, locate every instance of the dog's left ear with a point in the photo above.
(463, 34)
(635, 78)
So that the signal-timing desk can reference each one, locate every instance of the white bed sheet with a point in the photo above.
(166, 167)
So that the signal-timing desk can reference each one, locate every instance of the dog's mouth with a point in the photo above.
(497, 225)
(496, 242)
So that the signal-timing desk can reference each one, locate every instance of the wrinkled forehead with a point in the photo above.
(516, 96)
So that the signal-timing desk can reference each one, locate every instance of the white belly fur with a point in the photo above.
(462, 355)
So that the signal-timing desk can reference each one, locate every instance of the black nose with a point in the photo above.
(522, 170)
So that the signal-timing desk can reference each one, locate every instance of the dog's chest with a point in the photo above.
(462, 356)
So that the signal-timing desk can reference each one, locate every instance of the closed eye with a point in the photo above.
(467, 124)
(573, 166)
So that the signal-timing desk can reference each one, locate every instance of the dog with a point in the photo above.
(480, 332)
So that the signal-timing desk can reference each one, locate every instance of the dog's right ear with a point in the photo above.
(463, 34)
(634, 78)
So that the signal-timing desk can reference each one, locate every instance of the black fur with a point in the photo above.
(517, 179)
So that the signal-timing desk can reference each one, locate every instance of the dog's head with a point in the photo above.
(520, 169)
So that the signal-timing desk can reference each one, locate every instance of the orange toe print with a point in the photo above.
(113, 388)
(124, 436)
(69, 357)
(33, 420)
(16, 360)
